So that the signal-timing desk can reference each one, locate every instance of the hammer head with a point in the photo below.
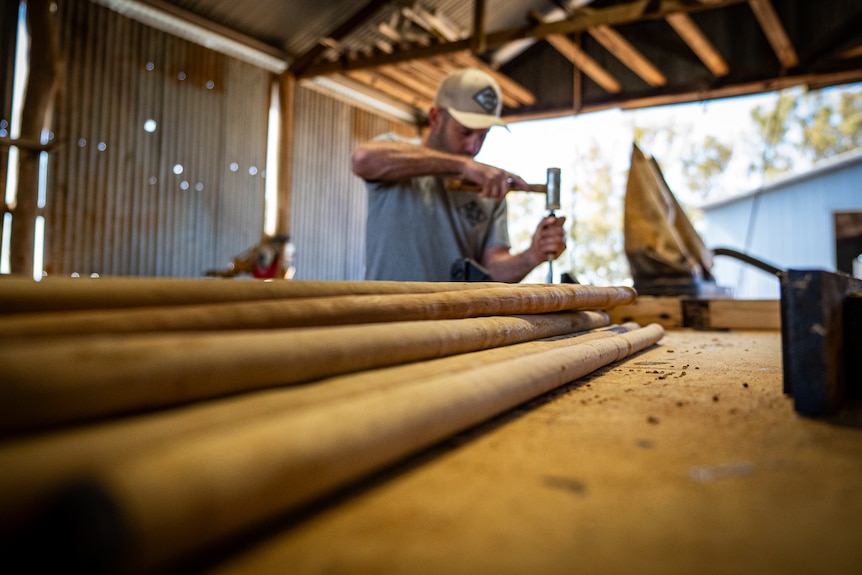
(553, 193)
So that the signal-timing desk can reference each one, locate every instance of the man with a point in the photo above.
(417, 229)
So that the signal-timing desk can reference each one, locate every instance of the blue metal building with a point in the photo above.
(807, 221)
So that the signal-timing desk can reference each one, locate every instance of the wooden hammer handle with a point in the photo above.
(462, 185)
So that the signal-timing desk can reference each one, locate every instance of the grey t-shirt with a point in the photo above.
(417, 229)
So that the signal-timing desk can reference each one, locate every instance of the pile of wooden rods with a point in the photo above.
(172, 415)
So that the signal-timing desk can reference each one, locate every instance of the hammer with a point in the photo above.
(462, 185)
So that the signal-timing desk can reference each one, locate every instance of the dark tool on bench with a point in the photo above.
(821, 340)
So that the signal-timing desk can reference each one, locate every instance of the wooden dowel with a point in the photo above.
(20, 295)
(337, 310)
(36, 466)
(194, 493)
(62, 380)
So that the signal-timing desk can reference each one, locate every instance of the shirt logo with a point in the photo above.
(487, 99)
(472, 212)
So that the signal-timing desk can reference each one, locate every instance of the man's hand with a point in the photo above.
(495, 183)
(549, 239)
(506, 267)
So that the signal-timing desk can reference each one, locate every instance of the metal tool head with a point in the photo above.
(553, 193)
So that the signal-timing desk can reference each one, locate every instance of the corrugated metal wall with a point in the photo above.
(329, 202)
(129, 197)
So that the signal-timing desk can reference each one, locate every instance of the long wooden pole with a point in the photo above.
(191, 494)
(323, 311)
(18, 295)
(36, 466)
(71, 379)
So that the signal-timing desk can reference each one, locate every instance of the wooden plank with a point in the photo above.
(674, 312)
(584, 62)
(745, 314)
(724, 91)
(380, 82)
(577, 56)
(401, 74)
(628, 54)
(665, 311)
(698, 42)
(478, 41)
(356, 20)
(775, 33)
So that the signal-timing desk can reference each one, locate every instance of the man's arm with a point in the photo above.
(511, 268)
(394, 160)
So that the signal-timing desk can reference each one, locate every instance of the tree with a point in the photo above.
(596, 254)
(807, 126)
(705, 165)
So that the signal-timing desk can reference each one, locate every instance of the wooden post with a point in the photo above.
(44, 80)
(478, 41)
(287, 129)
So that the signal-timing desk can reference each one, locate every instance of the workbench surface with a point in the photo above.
(685, 458)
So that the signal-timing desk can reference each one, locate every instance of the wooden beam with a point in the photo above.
(478, 43)
(381, 82)
(358, 18)
(584, 62)
(851, 53)
(639, 10)
(286, 148)
(403, 75)
(440, 25)
(44, 82)
(699, 43)
(775, 33)
(581, 21)
(580, 59)
(628, 54)
(690, 94)
(682, 312)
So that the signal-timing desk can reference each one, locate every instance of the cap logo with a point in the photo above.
(487, 99)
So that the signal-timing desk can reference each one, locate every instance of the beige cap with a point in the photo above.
(472, 97)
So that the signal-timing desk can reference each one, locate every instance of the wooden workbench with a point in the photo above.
(686, 458)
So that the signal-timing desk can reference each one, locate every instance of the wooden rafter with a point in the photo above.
(627, 54)
(580, 21)
(478, 43)
(390, 87)
(699, 43)
(584, 62)
(578, 57)
(402, 74)
(354, 22)
(775, 33)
